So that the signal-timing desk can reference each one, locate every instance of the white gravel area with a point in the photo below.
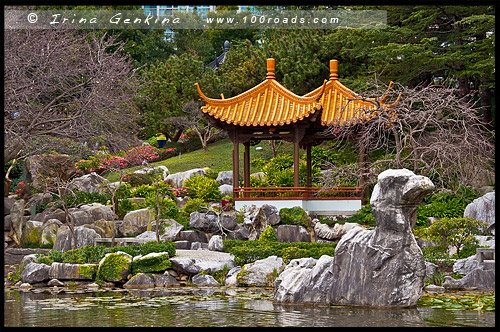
(203, 254)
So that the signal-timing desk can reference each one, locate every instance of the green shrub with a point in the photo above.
(82, 197)
(363, 217)
(93, 254)
(453, 232)
(268, 235)
(193, 205)
(202, 187)
(211, 173)
(137, 179)
(248, 251)
(294, 216)
(151, 264)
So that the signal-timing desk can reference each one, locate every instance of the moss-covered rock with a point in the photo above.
(114, 267)
(153, 262)
(32, 232)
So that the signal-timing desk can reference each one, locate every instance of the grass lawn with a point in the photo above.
(218, 158)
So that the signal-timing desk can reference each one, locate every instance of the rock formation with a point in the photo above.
(383, 267)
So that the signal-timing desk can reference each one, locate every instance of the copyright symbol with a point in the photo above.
(32, 18)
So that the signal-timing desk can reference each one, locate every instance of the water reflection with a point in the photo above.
(210, 307)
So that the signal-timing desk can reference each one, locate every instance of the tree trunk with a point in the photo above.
(485, 95)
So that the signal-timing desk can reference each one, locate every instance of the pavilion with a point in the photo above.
(269, 111)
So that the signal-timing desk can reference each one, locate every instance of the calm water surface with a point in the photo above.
(247, 307)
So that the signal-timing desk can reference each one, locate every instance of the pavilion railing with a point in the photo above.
(298, 193)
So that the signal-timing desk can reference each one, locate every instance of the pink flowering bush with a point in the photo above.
(180, 192)
(21, 188)
(167, 153)
(136, 156)
(105, 162)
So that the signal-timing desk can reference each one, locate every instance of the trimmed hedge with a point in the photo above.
(248, 251)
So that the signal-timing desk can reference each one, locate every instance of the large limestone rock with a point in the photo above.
(91, 183)
(34, 273)
(479, 278)
(292, 233)
(483, 208)
(161, 169)
(41, 171)
(83, 236)
(67, 271)
(32, 232)
(335, 232)
(49, 232)
(383, 267)
(255, 221)
(89, 213)
(261, 272)
(177, 180)
(225, 177)
(206, 222)
(172, 230)
(137, 221)
(17, 221)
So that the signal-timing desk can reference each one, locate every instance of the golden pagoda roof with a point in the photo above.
(267, 104)
(342, 106)
(271, 104)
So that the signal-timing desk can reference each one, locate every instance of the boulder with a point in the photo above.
(255, 221)
(39, 198)
(204, 221)
(137, 221)
(17, 221)
(89, 213)
(225, 177)
(335, 232)
(181, 201)
(261, 272)
(90, 183)
(42, 171)
(31, 258)
(192, 236)
(66, 271)
(83, 236)
(479, 278)
(215, 243)
(140, 280)
(430, 269)
(163, 169)
(225, 189)
(483, 208)
(172, 230)
(49, 232)
(231, 277)
(34, 273)
(32, 232)
(383, 267)
(239, 233)
(229, 221)
(466, 265)
(165, 280)
(115, 267)
(106, 226)
(177, 180)
(50, 213)
(292, 233)
(204, 280)
(8, 202)
(191, 266)
(272, 214)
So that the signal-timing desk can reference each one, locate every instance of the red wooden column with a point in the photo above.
(236, 167)
(296, 158)
(246, 166)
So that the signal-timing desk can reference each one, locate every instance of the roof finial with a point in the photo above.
(270, 68)
(334, 65)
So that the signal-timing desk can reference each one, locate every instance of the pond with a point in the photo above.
(197, 307)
